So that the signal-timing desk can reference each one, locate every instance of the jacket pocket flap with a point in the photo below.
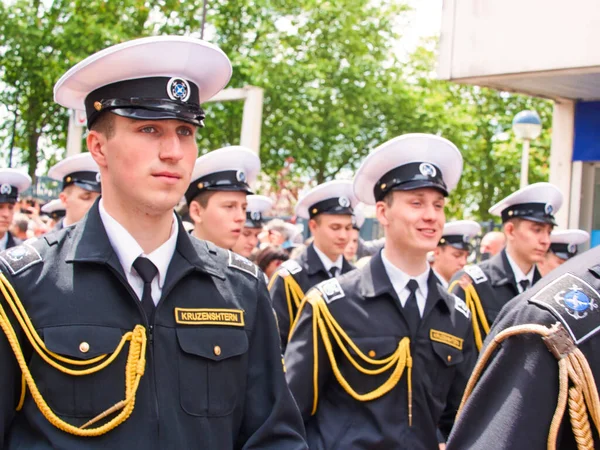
(215, 343)
(81, 341)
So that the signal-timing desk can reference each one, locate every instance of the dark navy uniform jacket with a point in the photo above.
(12, 241)
(514, 401)
(191, 396)
(494, 282)
(307, 270)
(370, 312)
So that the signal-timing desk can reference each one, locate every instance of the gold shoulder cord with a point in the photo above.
(136, 362)
(477, 314)
(324, 324)
(293, 296)
(582, 395)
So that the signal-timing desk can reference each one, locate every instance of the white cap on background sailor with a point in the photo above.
(257, 206)
(80, 170)
(408, 162)
(459, 234)
(233, 168)
(332, 197)
(358, 219)
(155, 78)
(537, 202)
(12, 182)
(55, 209)
(563, 243)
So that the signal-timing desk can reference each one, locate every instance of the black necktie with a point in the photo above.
(333, 271)
(411, 309)
(147, 271)
(524, 285)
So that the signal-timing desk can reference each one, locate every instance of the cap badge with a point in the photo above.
(548, 209)
(241, 176)
(466, 239)
(427, 170)
(255, 215)
(344, 202)
(97, 106)
(572, 248)
(5, 189)
(98, 177)
(178, 89)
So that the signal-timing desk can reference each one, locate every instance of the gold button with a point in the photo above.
(449, 358)
(372, 353)
(200, 185)
(84, 347)
(97, 106)
(315, 210)
(217, 350)
(383, 185)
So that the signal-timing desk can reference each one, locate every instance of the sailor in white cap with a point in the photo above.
(454, 248)
(216, 196)
(527, 221)
(247, 241)
(563, 246)
(12, 181)
(80, 178)
(55, 209)
(385, 346)
(358, 219)
(328, 208)
(174, 339)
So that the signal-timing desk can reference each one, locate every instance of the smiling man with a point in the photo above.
(528, 219)
(328, 208)
(12, 181)
(379, 357)
(248, 239)
(150, 339)
(217, 194)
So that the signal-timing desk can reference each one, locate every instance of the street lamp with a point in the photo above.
(527, 126)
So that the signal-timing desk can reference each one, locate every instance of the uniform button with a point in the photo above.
(372, 354)
(84, 347)
(217, 350)
(449, 358)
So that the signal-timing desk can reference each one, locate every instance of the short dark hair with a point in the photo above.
(388, 198)
(105, 124)
(203, 197)
(268, 254)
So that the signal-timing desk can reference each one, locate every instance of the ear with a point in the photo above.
(381, 212)
(509, 230)
(96, 144)
(437, 250)
(312, 226)
(196, 212)
(63, 198)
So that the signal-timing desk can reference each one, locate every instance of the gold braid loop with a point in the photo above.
(573, 368)
(293, 296)
(134, 370)
(324, 324)
(478, 319)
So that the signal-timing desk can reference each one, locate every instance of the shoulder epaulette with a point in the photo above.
(19, 258)
(461, 306)
(245, 265)
(475, 273)
(290, 266)
(574, 302)
(330, 289)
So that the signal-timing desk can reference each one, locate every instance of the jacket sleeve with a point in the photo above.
(280, 305)
(516, 396)
(271, 417)
(300, 362)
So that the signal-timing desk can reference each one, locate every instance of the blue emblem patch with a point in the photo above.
(427, 170)
(548, 209)
(575, 302)
(178, 89)
(5, 189)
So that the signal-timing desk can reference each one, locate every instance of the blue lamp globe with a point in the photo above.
(527, 125)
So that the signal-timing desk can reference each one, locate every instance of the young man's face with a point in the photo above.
(529, 240)
(331, 233)
(77, 202)
(352, 246)
(146, 165)
(7, 211)
(415, 219)
(222, 220)
(449, 260)
(247, 241)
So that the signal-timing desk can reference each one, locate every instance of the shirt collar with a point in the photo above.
(327, 263)
(4, 241)
(127, 248)
(519, 275)
(440, 278)
(399, 279)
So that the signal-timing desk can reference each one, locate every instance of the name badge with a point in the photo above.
(445, 338)
(209, 316)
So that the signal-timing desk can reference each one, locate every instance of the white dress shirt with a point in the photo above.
(127, 250)
(327, 263)
(400, 279)
(4, 241)
(519, 275)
